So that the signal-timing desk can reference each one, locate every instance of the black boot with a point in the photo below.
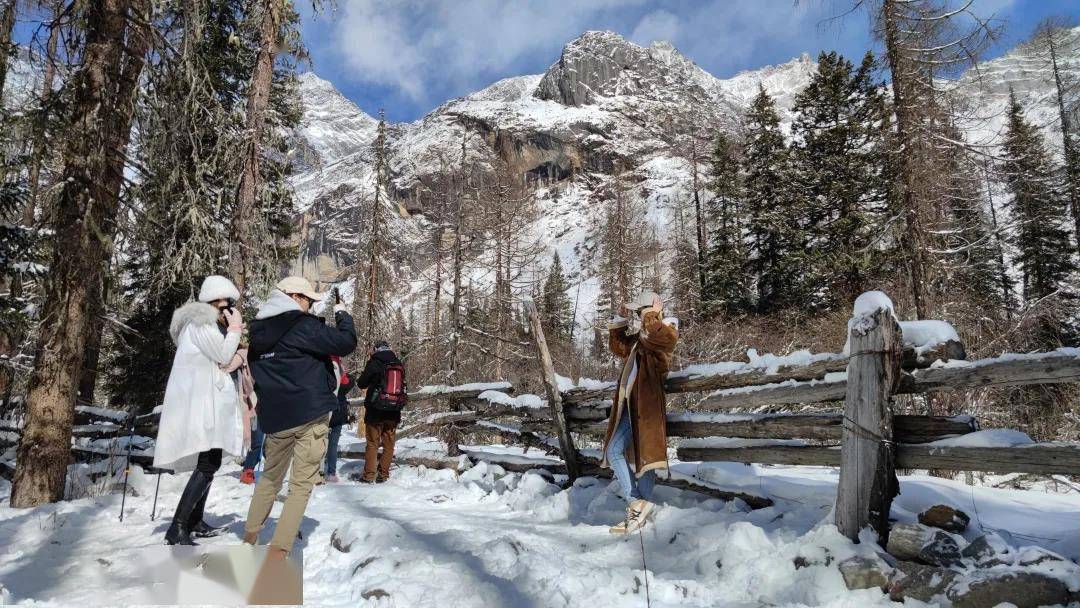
(196, 525)
(179, 533)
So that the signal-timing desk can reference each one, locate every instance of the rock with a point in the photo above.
(862, 572)
(1031, 556)
(338, 541)
(945, 517)
(1022, 589)
(919, 582)
(916, 542)
(988, 550)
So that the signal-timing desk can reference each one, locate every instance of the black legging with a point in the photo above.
(209, 462)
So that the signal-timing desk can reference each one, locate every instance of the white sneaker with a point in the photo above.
(637, 514)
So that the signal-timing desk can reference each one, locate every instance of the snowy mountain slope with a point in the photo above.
(1028, 73)
(605, 102)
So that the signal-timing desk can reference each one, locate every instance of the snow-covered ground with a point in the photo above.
(490, 538)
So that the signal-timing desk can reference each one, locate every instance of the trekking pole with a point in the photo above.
(127, 466)
(644, 567)
(153, 511)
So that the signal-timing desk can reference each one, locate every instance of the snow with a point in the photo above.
(988, 438)
(767, 363)
(101, 412)
(526, 400)
(587, 384)
(487, 537)
(438, 389)
(870, 302)
(926, 333)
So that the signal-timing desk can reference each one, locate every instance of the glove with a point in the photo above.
(339, 307)
(236, 321)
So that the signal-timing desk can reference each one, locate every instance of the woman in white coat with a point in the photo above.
(201, 416)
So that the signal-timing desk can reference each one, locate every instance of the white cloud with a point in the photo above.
(657, 25)
(420, 45)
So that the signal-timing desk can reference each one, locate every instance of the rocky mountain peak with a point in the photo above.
(602, 64)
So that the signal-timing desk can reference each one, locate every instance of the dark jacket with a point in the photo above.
(372, 380)
(290, 362)
(341, 414)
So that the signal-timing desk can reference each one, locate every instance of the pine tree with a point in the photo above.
(838, 159)
(83, 226)
(1045, 253)
(555, 307)
(1055, 41)
(776, 242)
(191, 124)
(727, 285)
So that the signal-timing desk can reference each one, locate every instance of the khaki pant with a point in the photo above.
(303, 447)
(380, 433)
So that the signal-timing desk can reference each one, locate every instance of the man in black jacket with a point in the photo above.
(380, 425)
(297, 389)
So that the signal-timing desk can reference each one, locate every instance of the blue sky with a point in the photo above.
(408, 56)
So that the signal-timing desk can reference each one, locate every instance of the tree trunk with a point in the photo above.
(83, 224)
(904, 96)
(1003, 275)
(702, 237)
(7, 24)
(95, 329)
(247, 192)
(49, 77)
(455, 302)
(1072, 161)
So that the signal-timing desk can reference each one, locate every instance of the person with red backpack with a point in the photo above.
(387, 394)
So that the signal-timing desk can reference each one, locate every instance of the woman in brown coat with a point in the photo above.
(638, 421)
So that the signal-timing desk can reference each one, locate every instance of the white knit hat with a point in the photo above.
(216, 287)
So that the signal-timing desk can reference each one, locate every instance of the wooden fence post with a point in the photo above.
(868, 455)
(551, 385)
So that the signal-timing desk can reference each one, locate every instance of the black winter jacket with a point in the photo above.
(372, 380)
(290, 362)
(341, 414)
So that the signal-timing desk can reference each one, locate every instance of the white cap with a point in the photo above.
(217, 287)
(300, 285)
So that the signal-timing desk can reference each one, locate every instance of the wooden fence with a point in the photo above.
(864, 438)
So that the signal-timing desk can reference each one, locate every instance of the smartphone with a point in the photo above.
(337, 296)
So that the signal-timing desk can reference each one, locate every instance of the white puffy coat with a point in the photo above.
(202, 408)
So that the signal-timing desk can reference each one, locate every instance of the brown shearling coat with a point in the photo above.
(646, 403)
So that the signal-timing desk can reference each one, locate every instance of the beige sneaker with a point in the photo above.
(637, 513)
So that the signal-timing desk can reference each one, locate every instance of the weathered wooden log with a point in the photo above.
(551, 386)
(916, 358)
(821, 427)
(812, 391)
(104, 430)
(1045, 458)
(1062, 365)
(1008, 370)
(867, 478)
(465, 391)
(810, 455)
(86, 415)
(86, 454)
(816, 371)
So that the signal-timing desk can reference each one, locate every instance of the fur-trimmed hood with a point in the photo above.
(198, 313)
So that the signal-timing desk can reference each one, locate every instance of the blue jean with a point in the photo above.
(255, 453)
(331, 450)
(632, 487)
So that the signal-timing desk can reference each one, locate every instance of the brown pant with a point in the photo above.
(384, 433)
(303, 447)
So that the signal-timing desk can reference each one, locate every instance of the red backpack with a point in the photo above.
(393, 394)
